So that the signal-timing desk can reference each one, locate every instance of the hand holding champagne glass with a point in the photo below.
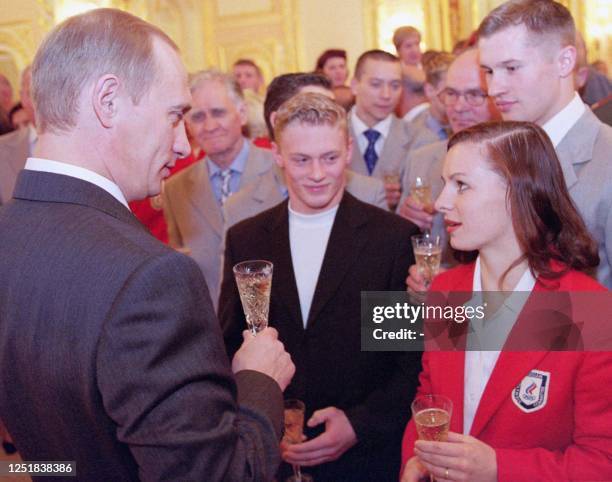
(294, 433)
(427, 253)
(254, 280)
(432, 415)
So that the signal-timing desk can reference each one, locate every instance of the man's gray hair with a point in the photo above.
(198, 79)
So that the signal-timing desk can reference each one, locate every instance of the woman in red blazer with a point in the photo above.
(517, 416)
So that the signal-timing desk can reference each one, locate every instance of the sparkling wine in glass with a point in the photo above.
(420, 191)
(294, 431)
(432, 415)
(254, 280)
(427, 253)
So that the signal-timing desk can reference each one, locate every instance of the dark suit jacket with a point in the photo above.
(368, 250)
(110, 353)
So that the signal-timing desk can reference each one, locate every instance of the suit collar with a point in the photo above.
(200, 194)
(577, 145)
(58, 188)
(343, 248)
(510, 369)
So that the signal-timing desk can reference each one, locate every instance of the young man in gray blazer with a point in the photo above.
(527, 50)
(110, 353)
(381, 140)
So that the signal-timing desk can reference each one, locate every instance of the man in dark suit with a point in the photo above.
(110, 353)
(327, 247)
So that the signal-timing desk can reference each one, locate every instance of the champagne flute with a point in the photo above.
(254, 280)
(294, 431)
(432, 415)
(391, 179)
(420, 191)
(427, 253)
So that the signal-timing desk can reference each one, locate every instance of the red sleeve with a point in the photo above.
(410, 434)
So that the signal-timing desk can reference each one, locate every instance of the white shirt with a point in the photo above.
(359, 128)
(564, 120)
(480, 364)
(308, 236)
(415, 111)
(46, 165)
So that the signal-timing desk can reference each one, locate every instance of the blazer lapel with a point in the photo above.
(342, 251)
(357, 163)
(284, 288)
(577, 146)
(258, 163)
(199, 192)
(510, 369)
(393, 153)
(50, 187)
(511, 366)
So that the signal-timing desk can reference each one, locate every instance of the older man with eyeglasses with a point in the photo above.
(467, 104)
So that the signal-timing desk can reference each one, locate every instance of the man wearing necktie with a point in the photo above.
(381, 139)
(193, 198)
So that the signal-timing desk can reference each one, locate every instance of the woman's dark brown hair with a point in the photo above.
(328, 54)
(546, 222)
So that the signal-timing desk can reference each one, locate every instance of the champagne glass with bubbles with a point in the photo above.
(427, 253)
(432, 416)
(294, 433)
(254, 280)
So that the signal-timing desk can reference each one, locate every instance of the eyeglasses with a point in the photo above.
(475, 98)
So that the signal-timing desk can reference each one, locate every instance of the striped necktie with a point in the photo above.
(370, 155)
(226, 176)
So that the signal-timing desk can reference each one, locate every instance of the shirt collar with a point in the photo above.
(435, 125)
(526, 283)
(56, 167)
(415, 111)
(237, 165)
(359, 126)
(564, 120)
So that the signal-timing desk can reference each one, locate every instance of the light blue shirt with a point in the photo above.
(236, 168)
(436, 127)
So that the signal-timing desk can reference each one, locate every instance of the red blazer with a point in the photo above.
(567, 436)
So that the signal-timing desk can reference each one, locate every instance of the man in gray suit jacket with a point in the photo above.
(15, 147)
(529, 73)
(110, 352)
(381, 140)
(193, 198)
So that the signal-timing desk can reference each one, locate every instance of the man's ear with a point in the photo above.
(106, 99)
(566, 61)
(276, 153)
(349, 149)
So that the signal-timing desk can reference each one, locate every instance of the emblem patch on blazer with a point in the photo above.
(532, 393)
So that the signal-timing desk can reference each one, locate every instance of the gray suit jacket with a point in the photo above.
(265, 192)
(14, 150)
(195, 218)
(110, 352)
(421, 132)
(585, 154)
(394, 152)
